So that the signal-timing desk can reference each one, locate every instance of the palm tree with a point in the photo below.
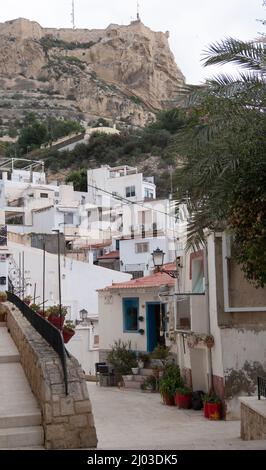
(224, 138)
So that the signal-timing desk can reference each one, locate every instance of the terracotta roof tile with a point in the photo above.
(154, 280)
(111, 255)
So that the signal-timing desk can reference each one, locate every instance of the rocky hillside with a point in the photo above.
(122, 73)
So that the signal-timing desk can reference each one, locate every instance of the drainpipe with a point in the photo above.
(209, 353)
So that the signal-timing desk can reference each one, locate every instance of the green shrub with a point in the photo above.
(122, 357)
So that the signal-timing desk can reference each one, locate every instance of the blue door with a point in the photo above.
(153, 325)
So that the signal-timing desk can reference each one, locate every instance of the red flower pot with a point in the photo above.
(41, 313)
(67, 335)
(168, 400)
(57, 321)
(215, 411)
(183, 401)
(206, 410)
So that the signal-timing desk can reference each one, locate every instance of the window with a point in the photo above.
(148, 193)
(44, 195)
(130, 191)
(142, 247)
(68, 218)
(96, 341)
(131, 313)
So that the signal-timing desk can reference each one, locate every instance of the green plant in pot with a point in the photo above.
(212, 406)
(3, 308)
(122, 358)
(149, 384)
(161, 354)
(183, 397)
(68, 330)
(169, 382)
(54, 317)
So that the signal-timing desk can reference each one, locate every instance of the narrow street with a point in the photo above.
(135, 420)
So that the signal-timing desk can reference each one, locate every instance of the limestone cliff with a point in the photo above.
(124, 73)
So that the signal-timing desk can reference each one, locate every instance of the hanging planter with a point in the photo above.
(192, 340)
(141, 331)
(209, 341)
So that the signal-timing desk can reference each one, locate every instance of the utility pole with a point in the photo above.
(59, 276)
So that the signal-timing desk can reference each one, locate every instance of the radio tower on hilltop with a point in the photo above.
(73, 14)
(138, 15)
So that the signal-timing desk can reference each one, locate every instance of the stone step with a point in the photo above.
(20, 420)
(13, 438)
(146, 372)
(132, 384)
(9, 359)
(139, 378)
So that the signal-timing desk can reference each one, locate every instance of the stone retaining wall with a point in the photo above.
(253, 421)
(67, 420)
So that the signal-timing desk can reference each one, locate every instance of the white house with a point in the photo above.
(123, 181)
(134, 311)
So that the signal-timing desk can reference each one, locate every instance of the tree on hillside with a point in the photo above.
(224, 154)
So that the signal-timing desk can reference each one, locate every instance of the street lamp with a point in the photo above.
(59, 276)
(83, 314)
(158, 259)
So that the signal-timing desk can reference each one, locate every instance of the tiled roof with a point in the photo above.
(111, 255)
(154, 280)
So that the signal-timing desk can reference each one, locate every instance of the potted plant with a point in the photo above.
(167, 390)
(68, 331)
(183, 397)
(3, 310)
(149, 384)
(212, 406)
(161, 354)
(122, 358)
(169, 382)
(27, 300)
(209, 341)
(53, 314)
(37, 309)
(144, 359)
(135, 370)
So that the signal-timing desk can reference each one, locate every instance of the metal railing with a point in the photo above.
(51, 334)
(261, 387)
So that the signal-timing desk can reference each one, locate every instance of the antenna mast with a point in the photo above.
(73, 14)
(138, 15)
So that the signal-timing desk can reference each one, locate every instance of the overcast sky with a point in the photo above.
(192, 24)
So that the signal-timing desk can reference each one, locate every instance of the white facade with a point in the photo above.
(79, 281)
(84, 346)
(124, 182)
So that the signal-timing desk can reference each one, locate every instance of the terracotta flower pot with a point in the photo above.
(41, 313)
(57, 321)
(168, 400)
(67, 335)
(215, 411)
(183, 401)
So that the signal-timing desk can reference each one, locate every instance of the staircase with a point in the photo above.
(20, 416)
(133, 382)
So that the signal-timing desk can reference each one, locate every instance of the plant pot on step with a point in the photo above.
(215, 411)
(135, 370)
(67, 334)
(57, 321)
(168, 400)
(183, 398)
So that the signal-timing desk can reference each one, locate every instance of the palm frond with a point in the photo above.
(249, 55)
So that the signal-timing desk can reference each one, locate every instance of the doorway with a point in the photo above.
(155, 320)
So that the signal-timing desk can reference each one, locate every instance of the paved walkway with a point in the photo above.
(128, 419)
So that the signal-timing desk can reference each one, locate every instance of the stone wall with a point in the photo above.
(253, 419)
(67, 420)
